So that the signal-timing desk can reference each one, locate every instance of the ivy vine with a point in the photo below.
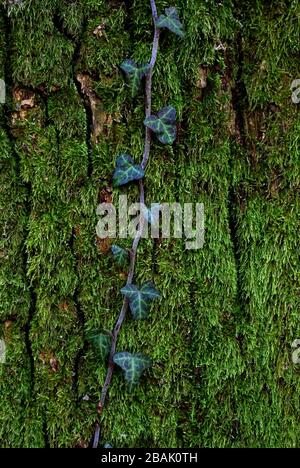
(137, 299)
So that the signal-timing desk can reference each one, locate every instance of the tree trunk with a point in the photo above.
(221, 337)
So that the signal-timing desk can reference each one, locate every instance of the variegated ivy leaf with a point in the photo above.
(171, 21)
(167, 114)
(169, 136)
(163, 124)
(133, 365)
(100, 341)
(135, 73)
(140, 299)
(120, 255)
(126, 170)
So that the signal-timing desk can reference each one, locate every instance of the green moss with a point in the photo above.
(221, 336)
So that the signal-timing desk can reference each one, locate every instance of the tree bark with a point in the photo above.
(221, 337)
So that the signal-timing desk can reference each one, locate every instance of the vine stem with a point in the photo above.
(134, 247)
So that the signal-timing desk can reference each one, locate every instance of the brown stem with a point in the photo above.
(133, 252)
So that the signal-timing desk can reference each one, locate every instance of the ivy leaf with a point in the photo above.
(168, 137)
(163, 125)
(149, 291)
(135, 73)
(167, 114)
(140, 299)
(120, 255)
(171, 21)
(126, 170)
(133, 365)
(101, 342)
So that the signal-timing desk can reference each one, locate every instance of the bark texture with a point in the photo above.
(221, 337)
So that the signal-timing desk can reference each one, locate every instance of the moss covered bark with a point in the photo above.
(221, 337)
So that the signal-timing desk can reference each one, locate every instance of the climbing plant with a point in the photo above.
(137, 299)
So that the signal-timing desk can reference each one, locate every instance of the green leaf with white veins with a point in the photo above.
(140, 299)
(169, 136)
(163, 124)
(120, 255)
(171, 21)
(126, 170)
(135, 73)
(133, 365)
(100, 341)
